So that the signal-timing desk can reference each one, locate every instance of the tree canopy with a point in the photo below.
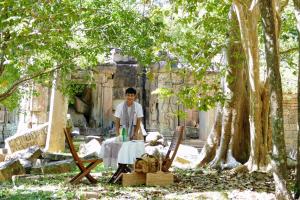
(38, 37)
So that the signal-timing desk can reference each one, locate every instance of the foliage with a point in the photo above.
(193, 42)
(39, 36)
(75, 36)
(289, 49)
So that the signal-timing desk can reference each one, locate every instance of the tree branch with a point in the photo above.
(6, 37)
(288, 51)
(283, 4)
(14, 87)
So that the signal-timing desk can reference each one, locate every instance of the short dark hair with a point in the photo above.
(130, 91)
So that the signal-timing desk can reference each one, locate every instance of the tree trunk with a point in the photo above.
(244, 134)
(297, 184)
(233, 87)
(271, 33)
(248, 15)
(228, 137)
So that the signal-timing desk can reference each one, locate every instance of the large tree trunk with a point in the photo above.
(244, 134)
(248, 15)
(297, 184)
(271, 32)
(232, 134)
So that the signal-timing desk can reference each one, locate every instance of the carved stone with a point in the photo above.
(31, 154)
(36, 136)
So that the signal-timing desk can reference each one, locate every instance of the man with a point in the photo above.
(129, 114)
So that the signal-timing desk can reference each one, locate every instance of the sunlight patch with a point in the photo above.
(198, 195)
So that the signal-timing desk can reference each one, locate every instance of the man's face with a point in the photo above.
(130, 98)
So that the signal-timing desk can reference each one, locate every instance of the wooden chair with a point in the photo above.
(84, 171)
(176, 141)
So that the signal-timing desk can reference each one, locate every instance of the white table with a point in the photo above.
(130, 151)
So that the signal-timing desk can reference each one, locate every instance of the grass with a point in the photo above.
(191, 184)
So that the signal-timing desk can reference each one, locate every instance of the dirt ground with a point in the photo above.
(190, 184)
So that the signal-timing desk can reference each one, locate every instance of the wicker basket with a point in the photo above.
(147, 163)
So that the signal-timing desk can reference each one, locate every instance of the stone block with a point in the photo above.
(56, 156)
(81, 106)
(10, 168)
(40, 102)
(30, 154)
(159, 179)
(90, 149)
(39, 117)
(134, 178)
(121, 79)
(54, 167)
(36, 136)
(118, 93)
(77, 119)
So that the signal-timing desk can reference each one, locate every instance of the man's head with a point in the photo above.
(130, 94)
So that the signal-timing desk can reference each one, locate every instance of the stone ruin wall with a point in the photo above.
(290, 121)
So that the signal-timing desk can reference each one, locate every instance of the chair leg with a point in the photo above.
(85, 172)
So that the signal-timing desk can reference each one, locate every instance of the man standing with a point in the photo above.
(129, 114)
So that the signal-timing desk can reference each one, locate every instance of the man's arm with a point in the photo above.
(136, 128)
(117, 126)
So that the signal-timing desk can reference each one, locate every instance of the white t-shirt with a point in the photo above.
(138, 110)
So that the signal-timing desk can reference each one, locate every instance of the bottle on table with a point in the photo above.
(124, 135)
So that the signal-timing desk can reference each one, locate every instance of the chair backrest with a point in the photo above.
(176, 140)
(71, 145)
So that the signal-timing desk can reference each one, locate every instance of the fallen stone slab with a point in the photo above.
(90, 149)
(10, 168)
(54, 167)
(56, 156)
(36, 136)
(187, 157)
(30, 154)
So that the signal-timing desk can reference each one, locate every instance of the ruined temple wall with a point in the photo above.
(290, 120)
(162, 112)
